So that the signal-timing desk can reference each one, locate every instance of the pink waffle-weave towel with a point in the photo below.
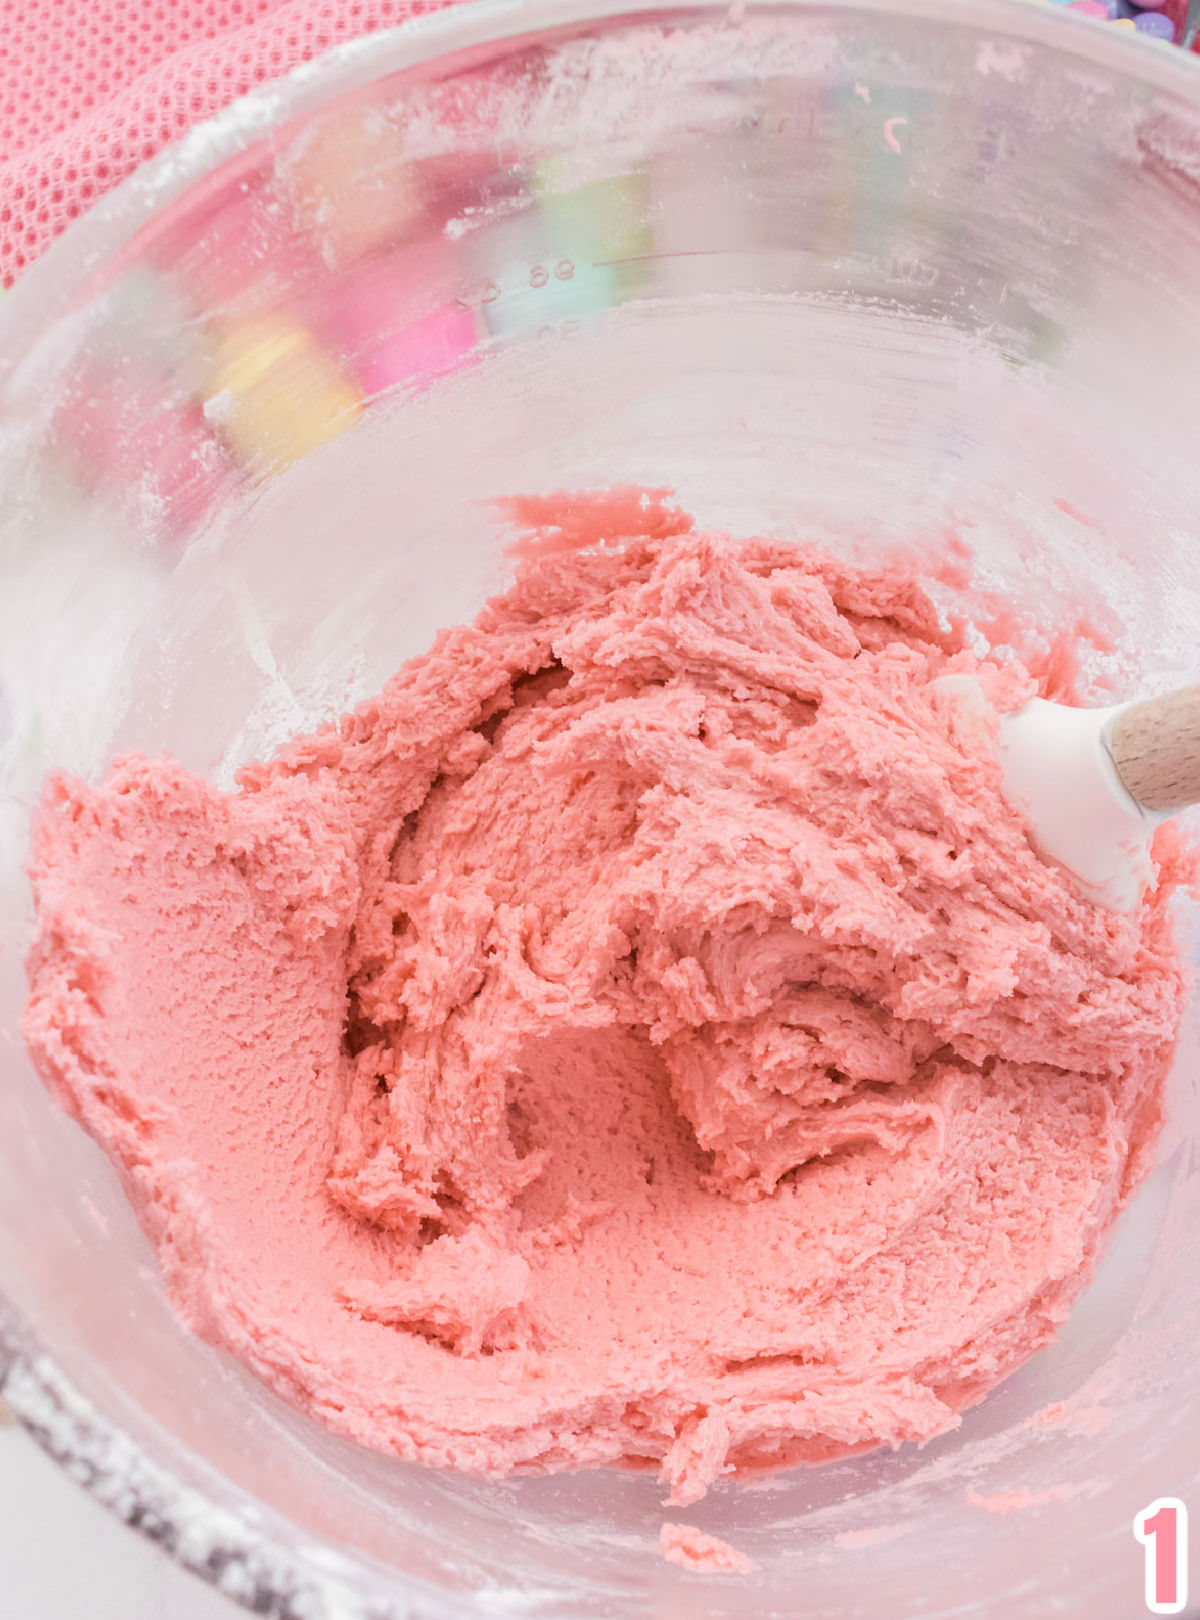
(89, 88)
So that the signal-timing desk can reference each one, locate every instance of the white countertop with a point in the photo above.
(109, 1572)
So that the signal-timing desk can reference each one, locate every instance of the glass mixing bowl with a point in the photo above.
(880, 272)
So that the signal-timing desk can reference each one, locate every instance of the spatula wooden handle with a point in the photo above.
(1156, 749)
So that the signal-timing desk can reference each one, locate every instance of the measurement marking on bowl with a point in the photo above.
(651, 258)
(1162, 1528)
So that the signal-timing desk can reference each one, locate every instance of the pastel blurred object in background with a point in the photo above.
(385, 199)
(396, 319)
(275, 395)
(119, 428)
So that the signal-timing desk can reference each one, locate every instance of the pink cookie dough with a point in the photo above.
(692, 1549)
(642, 1034)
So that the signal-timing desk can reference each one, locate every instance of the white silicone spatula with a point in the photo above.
(1095, 783)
